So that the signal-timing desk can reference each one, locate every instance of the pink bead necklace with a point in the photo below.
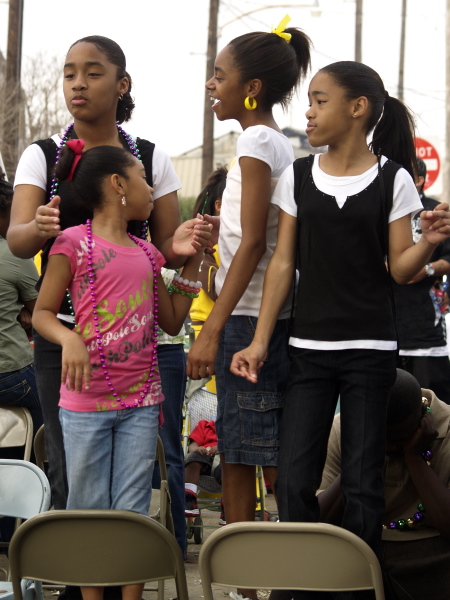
(98, 334)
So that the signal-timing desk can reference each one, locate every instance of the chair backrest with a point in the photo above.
(24, 489)
(16, 429)
(107, 547)
(39, 448)
(289, 556)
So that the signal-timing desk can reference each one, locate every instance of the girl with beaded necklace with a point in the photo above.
(110, 396)
(97, 90)
(341, 213)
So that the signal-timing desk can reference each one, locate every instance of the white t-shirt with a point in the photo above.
(273, 148)
(32, 170)
(406, 201)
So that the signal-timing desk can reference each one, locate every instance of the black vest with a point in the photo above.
(344, 289)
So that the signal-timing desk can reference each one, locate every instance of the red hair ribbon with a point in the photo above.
(77, 147)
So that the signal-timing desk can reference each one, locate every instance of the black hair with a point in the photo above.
(95, 165)
(391, 121)
(6, 195)
(278, 64)
(405, 398)
(212, 191)
(115, 55)
(421, 168)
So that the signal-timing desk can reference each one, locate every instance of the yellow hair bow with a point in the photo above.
(279, 30)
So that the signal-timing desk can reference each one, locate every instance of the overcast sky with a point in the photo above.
(165, 43)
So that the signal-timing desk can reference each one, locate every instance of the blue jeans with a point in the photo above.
(172, 369)
(363, 379)
(47, 362)
(248, 414)
(18, 388)
(110, 457)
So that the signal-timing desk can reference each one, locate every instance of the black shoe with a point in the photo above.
(222, 518)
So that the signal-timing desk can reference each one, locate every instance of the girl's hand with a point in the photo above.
(76, 366)
(215, 222)
(191, 237)
(248, 362)
(435, 224)
(208, 450)
(202, 356)
(47, 219)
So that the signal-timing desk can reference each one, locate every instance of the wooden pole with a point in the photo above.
(208, 114)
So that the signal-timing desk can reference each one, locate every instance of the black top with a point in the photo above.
(344, 288)
(419, 325)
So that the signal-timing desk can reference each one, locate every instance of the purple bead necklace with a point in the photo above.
(98, 334)
(419, 516)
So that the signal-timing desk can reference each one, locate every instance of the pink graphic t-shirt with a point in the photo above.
(124, 294)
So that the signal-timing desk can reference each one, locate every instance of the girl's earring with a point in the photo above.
(252, 105)
(124, 201)
(121, 97)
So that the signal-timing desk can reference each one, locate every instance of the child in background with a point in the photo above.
(208, 202)
(354, 207)
(110, 385)
(200, 460)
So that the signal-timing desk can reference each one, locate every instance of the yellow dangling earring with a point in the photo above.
(251, 106)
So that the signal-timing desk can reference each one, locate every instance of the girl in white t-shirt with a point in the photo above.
(252, 74)
(96, 86)
(354, 208)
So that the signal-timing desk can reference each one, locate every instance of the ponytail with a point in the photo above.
(394, 134)
(279, 65)
(125, 105)
(391, 121)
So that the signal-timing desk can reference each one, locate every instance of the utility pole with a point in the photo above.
(358, 30)
(446, 173)
(208, 114)
(11, 93)
(401, 67)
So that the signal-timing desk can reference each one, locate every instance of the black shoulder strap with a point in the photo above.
(386, 176)
(49, 148)
(302, 169)
(146, 149)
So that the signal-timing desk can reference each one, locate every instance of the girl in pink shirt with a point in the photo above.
(110, 387)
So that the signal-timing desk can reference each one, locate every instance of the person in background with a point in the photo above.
(423, 349)
(415, 555)
(18, 278)
(208, 202)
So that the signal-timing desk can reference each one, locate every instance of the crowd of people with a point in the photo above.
(120, 271)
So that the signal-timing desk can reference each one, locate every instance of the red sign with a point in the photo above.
(428, 153)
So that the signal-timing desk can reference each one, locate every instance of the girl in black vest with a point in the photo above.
(97, 89)
(354, 206)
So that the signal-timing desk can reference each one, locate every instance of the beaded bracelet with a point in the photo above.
(185, 287)
(175, 289)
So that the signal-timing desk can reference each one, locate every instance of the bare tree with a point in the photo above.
(40, 102)
(45, 111)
